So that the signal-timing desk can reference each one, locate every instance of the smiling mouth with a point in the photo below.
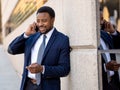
(42, 29)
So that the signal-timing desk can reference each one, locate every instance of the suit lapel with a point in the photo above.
(107, 38)
(34, 39)
(50, 42)
(31, 43)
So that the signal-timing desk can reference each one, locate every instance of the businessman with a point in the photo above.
(110, 39)
(46, 53)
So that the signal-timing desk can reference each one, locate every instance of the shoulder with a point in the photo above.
(33, 37)
(104, 34)
(61, 35)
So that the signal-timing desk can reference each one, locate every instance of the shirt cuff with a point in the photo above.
(115, 33)
(25, 36)
(105, 68)
(43, 70)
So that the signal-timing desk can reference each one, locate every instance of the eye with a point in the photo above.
(44, 20)
(38, 20)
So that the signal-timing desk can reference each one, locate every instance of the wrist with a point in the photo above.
(27, 34)
(111, 30)
(40, 68)
(114, 33)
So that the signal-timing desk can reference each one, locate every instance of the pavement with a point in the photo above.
(9, 80)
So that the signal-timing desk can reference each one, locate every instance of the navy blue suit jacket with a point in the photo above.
(56, 58)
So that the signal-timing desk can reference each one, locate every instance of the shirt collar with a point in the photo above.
(50, 33)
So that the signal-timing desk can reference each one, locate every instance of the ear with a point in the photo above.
(52, 20)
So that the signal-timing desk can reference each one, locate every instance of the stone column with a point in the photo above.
(78, 19)
(0, 25)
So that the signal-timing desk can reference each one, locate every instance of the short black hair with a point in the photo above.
(101, 9)
(47, 9)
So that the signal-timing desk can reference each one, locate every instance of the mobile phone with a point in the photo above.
(103, 26)
(36, 28)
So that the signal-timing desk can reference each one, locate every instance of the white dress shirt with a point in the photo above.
(106, 47)
(35, 48)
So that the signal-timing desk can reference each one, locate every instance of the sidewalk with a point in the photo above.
(9, 80)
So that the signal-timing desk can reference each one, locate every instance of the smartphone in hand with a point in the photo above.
(36, 28)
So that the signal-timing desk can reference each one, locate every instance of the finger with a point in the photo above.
(108, 25)
(34, 24)
(105, 24)
(32, 70)
(31, 67)
(28, 68)
(118, 65)
(113, 62)
(116, 69)
(115, 66)
(34, 63)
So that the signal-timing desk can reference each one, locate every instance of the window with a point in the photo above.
(21, 12)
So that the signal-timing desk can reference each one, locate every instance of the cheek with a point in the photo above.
(51, 23)
(48, 24)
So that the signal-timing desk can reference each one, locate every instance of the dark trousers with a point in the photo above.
(112, 85)
(30, 86)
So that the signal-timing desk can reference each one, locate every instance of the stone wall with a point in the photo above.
(77, 19)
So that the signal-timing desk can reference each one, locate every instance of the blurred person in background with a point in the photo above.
(109, 39)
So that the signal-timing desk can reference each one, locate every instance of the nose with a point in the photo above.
(40, 23)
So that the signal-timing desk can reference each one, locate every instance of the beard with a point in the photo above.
(46, 31)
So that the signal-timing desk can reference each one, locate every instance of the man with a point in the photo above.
(43, 73)
(110, 39)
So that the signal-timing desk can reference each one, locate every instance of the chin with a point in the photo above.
(43, 32)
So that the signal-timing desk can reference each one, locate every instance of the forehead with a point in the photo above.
(43, 15)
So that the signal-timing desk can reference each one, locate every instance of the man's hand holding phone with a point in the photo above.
(32, 29)
(107, 26)
(35, 68)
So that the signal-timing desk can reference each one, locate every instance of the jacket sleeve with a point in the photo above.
(116, 40)
(17, 46)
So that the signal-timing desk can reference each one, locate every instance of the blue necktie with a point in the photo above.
(40, 57)
(105, 58)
